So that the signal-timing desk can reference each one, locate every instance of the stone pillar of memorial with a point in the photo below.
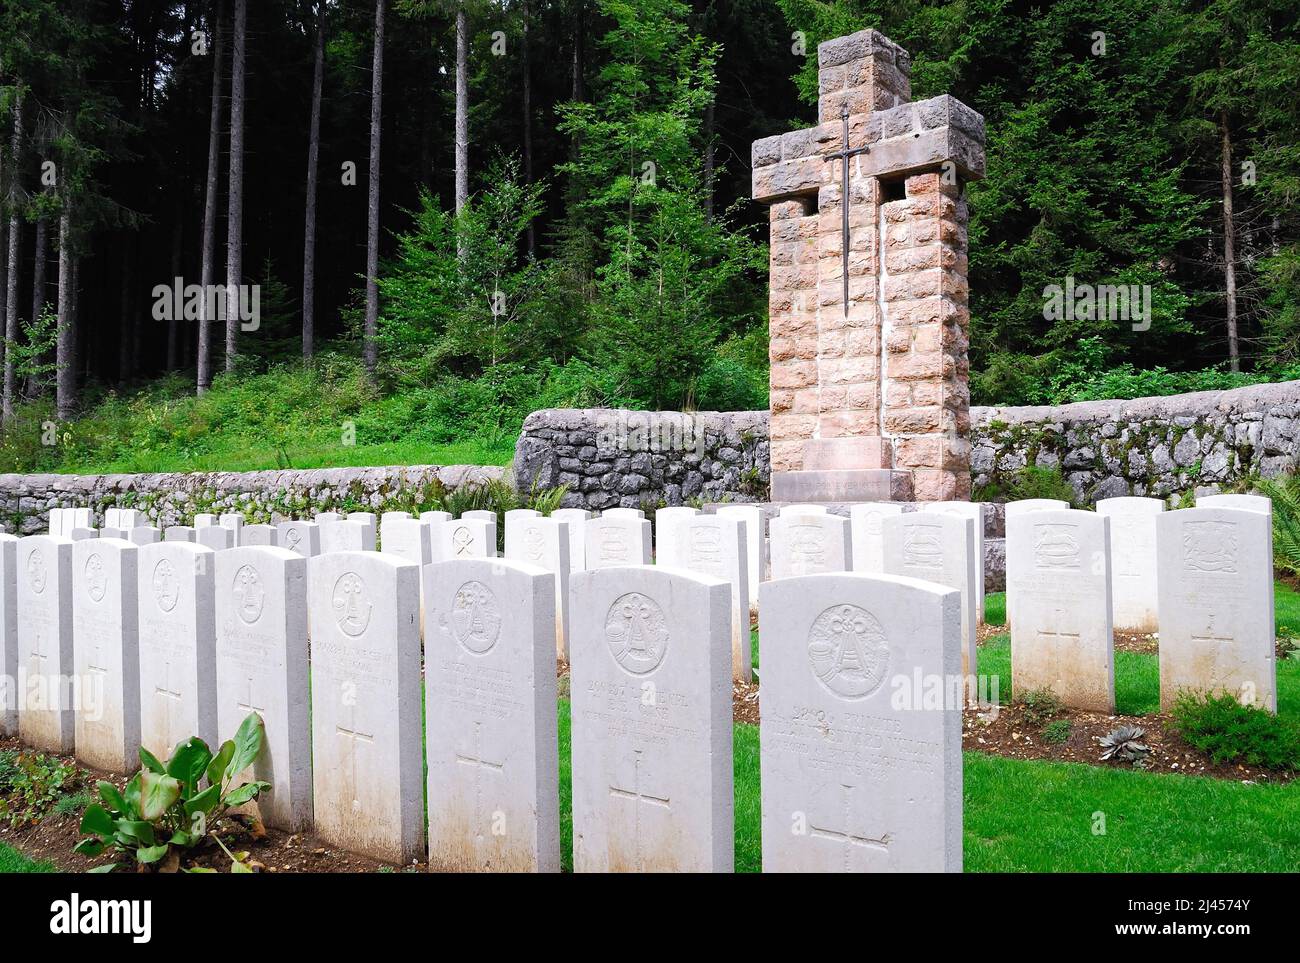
(869, 373)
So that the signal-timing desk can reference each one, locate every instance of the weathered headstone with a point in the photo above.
(975, 512)
(1013, 510)
(1133, 560)
(866, 524)
(544, 542)
(180, 533)
(106, 653)
(617, 540)
(1215, 585)
(939, 548)
(216, 537)
(464, 538)
(493, 754)
(258, 535)
(8, 635)
(178, 683)
(46, 715)
(1250, 503)
(715, 545)
(810, 545)
(1058, 567)
(665, 519)
(408, 539)
(301, 538)
(206, 519)
(346, 536)
(861, 737)
(144, 535)
(80, 534)
(755, 523)
(576, 519)
(262, 659)
(652, 754)
(130, 518)
(235, 522)
(365, 691)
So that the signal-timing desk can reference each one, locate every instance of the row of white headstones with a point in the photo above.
(861, 732)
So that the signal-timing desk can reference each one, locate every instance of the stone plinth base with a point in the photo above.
(842, 485)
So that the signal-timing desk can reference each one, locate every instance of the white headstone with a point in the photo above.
(1250, 503)
(45, 710)
(436, 516)
(383, 520)
(408, 539)
(78, 518)
(464, 538)
(617, 540)
(866, 523)
(810, 544)
(8, 635)
(715, 545)
(1034, 505)
(1058, 567)
(493, 754)
(106, 653)
(130, 518)
(262, 660)
(79, 534)
(1133, 560)
(324, 517)
(665, 519)
(367, 750)
(235, 522)
(861, 739)
(180, 533)
(206, 519)
(110, 532)
(178, 684)
(1215, 586)
(112, 518)
(519, 513)
(652, 754)
(301, 538)
(144, 535)
(263, 535)
(802, 509)
(975, 512)
(544, 542)
(576, 519)
(346, 536)
(623, 513)
(365, 518)
(939, 548)
(755, 522)
(54, 522)
(216, 537)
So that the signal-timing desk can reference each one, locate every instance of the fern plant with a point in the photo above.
(1285, 493)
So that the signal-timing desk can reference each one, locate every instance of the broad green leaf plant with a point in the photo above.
(173, 807)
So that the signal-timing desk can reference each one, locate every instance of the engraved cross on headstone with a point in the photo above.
(480, 765)
(357, 739)
(846, 838)
(639, 797)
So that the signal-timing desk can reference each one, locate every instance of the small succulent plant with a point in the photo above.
(1125, 744)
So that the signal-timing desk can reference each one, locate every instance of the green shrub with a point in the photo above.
(1285, 492)
(1040, 705)
(1058, 731)
(1229, 732)
(1031, 481)
(32, 784)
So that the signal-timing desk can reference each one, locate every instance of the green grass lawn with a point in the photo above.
(12, 861)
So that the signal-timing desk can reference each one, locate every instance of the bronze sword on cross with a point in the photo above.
(844, 153)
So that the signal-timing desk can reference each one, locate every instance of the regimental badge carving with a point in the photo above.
(807, 546)
(1210, 547)
(534, 543)
(848, 651)
(462, 540)
(476, 617)
(351, 607)
(96, 577)
(921, 546)
(292, 539)
(613, 544)
(36, 573)
(166, 586)
(249, 594)
(704, 548)
(1056, 546)
(637, 633)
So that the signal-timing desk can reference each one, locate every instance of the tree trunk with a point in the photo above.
(178, 258)
(235, 194)
(14, 262)
(33, 389)
(462, 106)
(709, 124)
(577, 67)
(1229, 248)
(309, 226)
(526, 68)
(66, 347)
(371, 347)
(126, 328)
(208, 271)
